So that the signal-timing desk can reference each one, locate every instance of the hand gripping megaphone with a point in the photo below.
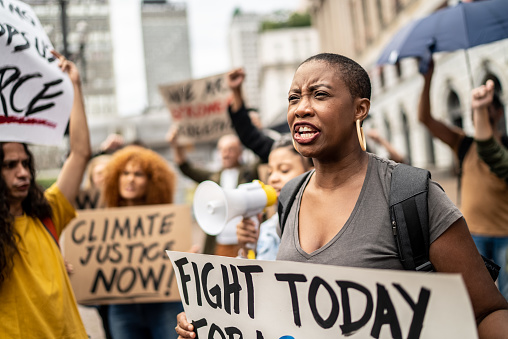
(215, 206)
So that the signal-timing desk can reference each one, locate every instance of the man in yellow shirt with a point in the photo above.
(36, 298)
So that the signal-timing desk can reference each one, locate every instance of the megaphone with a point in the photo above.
(215, 206)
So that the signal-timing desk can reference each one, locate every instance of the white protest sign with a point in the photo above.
(254, 299)
(35, 95)
(199, 108)
(118, 254)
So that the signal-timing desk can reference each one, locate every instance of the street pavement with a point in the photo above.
(92, 321)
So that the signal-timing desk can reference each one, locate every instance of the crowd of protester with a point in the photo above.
(329, 99)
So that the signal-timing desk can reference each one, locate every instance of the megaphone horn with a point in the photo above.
(214, 206)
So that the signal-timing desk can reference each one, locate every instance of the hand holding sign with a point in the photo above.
(184, 329)
(67, 66)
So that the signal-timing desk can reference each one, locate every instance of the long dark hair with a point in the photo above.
(35, 205)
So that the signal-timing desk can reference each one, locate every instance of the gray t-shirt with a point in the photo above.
(366, 239)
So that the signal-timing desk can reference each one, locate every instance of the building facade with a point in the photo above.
(166, 46)
(269, 57)
(360, 29)
(89, 45)
(280, 53)
(93, 31)
(244, 51)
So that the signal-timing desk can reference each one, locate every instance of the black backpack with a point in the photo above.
(408, 214)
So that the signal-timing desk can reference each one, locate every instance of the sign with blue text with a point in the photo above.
(255, 299)
(35, 95)
(118, 254)
(199, 108)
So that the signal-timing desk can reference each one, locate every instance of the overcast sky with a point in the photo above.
(209, 22)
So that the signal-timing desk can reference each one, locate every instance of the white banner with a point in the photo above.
(254, 299)
(35, 95)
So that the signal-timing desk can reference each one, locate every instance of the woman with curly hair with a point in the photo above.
(137, 176)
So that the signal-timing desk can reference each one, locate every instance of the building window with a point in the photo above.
(382, 81)
(454, 110)
(407, 134)
(398, 69)
(388, 129)
(379, 6)
(367, 22)
(398, 6)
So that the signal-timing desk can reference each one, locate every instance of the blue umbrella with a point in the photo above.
(460, 27)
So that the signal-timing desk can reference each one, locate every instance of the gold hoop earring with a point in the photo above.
(361, 136)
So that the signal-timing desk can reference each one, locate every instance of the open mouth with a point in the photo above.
(305, 133)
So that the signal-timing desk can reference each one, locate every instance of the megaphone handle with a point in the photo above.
(250, 246)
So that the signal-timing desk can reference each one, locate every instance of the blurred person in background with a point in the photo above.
(137, 176)
(483, 195)
(231, 174)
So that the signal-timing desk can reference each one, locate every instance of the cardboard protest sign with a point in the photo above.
(88, 199)
(35, 95)
(254, 299)
(119, 256)
(199, 108)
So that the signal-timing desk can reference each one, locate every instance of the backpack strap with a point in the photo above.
(409, 216)
(50, 227)
(287, 196)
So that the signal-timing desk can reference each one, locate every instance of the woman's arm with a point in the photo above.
(455, 252)
(250, 136)
(449, 135)
(69, 179)
(489, 149)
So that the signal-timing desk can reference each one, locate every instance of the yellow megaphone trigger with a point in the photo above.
(271, 194)
(251, 254)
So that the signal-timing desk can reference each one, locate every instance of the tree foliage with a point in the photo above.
(294, 20)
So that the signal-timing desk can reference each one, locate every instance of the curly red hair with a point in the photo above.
(161, 178)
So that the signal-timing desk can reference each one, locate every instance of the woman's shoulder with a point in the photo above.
(381, 168)
(381, 162)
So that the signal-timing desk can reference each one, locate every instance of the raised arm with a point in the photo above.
(179, 155)
(450, 136)
(250, 136)
(393, 154)
(481, 98)
(69, 179)
(489, 149)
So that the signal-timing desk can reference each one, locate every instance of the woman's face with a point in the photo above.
(133, 183)
(321, 111)
(283, 165)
